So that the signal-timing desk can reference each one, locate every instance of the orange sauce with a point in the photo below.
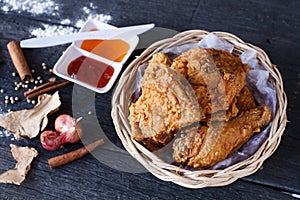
(90, 71)
(114, 50)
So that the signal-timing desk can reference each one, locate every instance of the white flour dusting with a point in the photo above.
(89, 9)
(66, 21)
(50, 7)
(88, 13)
(97, 17)
(51, 30)
(35, 7)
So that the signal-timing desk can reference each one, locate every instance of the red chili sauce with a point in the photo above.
(90, 71)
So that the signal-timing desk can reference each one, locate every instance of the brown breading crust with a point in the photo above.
(167, 103)
(216, 76)
(204, 146)
(160, 59)
(245, 100)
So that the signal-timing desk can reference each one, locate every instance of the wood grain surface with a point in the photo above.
(273, 25)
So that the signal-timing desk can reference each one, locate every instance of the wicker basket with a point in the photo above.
(199, 178)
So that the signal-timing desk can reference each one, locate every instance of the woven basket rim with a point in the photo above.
(199, 178)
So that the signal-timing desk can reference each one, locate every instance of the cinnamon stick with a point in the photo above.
(47, 89)
(73, 155)
(19, 60)
(52, 81)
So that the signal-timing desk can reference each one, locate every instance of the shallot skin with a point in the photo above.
(68, 130)
(50, 140)
(64, 122)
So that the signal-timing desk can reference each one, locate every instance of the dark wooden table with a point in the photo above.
(273, 25)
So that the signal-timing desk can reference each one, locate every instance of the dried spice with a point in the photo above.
(24, 156)
(28, 123)
(19, 60)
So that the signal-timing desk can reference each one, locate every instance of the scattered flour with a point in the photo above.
(88, 13)
(35, 7)
(89, 9)
(51, 30)
(66, 22)
(50, 7)
(97, 17)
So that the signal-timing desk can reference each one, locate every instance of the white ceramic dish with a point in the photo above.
(74, 51)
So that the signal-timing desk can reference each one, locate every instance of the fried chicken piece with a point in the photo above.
(203, 146)
(160, 59)
(212, 104)
(217, 78)
(179, 64)
(200, 65)
(245, 100)
(167, 103)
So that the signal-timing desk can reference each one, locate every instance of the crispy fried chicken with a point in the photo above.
(167, 103)
(206, 87)
(217, 78)
(204, 146)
